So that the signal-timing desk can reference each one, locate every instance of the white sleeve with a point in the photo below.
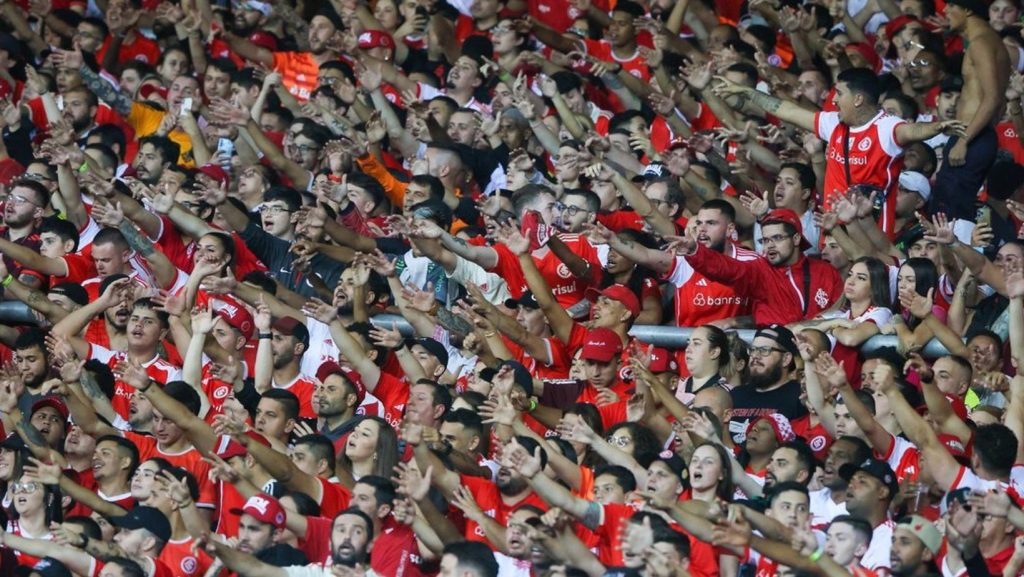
(100, 353)
(825, 124)
(427, 92)
(887, 134)
(680, 273)
(493, 286)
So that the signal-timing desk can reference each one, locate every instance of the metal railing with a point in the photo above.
(677, 337)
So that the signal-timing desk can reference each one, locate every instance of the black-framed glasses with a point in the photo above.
(764, 351)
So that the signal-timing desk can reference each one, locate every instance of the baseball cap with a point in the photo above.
(868, 52)
(228, 447)
(434, 348)
(672, 461)
(330, 367)
(235, 315)
(282, 555)
(148, 90)
(148, 518)
(264, 509)
(376, 39)
(877, 469)
(13, 442)
(916, 182)
(954, 445)
(616, 292)
(53, 402)
(50, 567)
(782, 337)
(787, 216)
(520, 375)
(662, 361)
(291, 327)
(924, 530)
(526, 300)
(601, 345)
(215, 172)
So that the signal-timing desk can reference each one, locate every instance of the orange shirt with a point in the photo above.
(145, 119)
(298, 72)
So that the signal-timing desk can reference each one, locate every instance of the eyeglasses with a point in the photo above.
(327, 80)
(273, 209)
(776, 239)
(27, 488)
(569, 210)
(619, 442)
(764, 351)
(18, 199)
(919, 63)
(306, 149)
(500, 30)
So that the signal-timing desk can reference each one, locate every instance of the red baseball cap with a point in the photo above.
(227, 448)
(330, 367)
(53, 402)
(616, 292)
(265, 509)
(235, 315)
(787, 216)
(215, 172)
(148, 90)
(954, 445)
(869, 54)
(602, 345)
(376, 39)
(662, 361)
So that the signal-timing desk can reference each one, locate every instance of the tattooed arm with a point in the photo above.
(105, 92)
(96, 397)
(782, 109)
(165, 271)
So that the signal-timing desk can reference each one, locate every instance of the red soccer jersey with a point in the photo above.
(302, 387)
(393, 394)
(567, 289)
(183, 560)
(700, 301)
(487, 495)
(158, 369)
(872, 153)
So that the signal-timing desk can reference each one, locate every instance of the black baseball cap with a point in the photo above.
(877, 469)
(148, 518)
(527, 300)
(782, 336)
(435, 348)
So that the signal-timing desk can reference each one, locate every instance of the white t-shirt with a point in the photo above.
(823, 508)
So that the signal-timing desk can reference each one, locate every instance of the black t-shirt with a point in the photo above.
(750, 403)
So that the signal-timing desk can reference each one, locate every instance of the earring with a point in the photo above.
(375, 456)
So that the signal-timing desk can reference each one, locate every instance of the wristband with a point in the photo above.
(149, 384)
(533, 405)
(486, 335)
(7, 280)
(816, 555)
(84, 167)
(265, 336)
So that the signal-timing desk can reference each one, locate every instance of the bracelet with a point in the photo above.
(184, 505)
(7, 280)
(816, 555)
(84, 167)
(486, 335)
(533, 405)
(265, 335)
(149, 384)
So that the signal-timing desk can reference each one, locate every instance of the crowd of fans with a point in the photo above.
(209, 209)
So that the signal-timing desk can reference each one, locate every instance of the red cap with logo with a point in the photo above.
(52, 402)
(616, 292)
(954, 445)
(376, 39)
(264, 509)
(235, 315)
(662, 361)
(602, 345)
(227, 447)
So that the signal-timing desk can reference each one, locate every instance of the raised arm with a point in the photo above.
(781, 109)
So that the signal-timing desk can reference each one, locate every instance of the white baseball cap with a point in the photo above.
(916, 182)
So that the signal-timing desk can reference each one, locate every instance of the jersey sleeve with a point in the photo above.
(825, 124)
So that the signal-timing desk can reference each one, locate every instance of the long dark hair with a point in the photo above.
(926, 277)
(878, 278)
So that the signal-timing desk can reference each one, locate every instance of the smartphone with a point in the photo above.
(983, 215)
(186, 106)
(60, 102)
(226, 147)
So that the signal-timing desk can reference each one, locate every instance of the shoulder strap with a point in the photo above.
(807, 285)
(846, 155)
